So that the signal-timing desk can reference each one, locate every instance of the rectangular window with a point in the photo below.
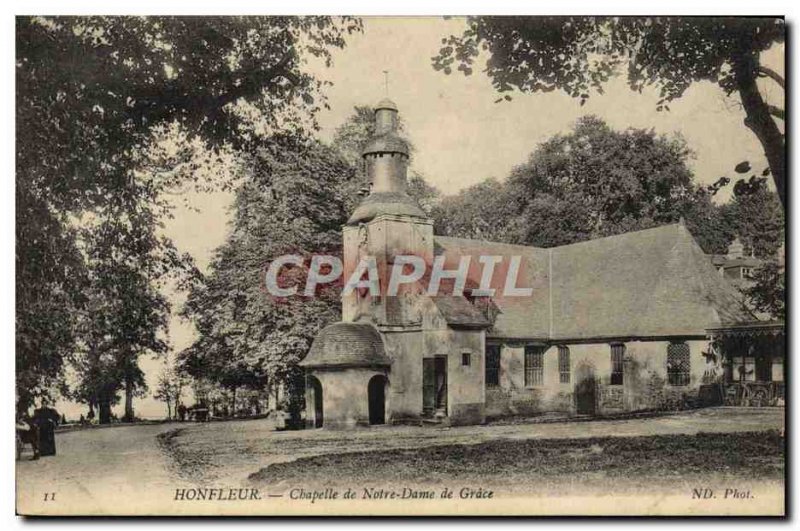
(617, 355)
(678, 364)
(777, 370)
(534, 366)
(492, 365)
(563, 364)
(465, 359)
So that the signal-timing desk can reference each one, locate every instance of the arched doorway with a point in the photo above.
(585, 390)
(316, 387)
(376, 393)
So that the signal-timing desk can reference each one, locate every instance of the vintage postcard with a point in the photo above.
(405, 266)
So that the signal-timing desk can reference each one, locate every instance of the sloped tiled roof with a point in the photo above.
(648, 283)
(518, 316)
(655, 282)
(347, 345)
(460, 313)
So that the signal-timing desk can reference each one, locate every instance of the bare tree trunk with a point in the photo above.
(129, 414)
(104, 411)
(759, 120)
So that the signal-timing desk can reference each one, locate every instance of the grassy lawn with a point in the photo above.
(616, 464)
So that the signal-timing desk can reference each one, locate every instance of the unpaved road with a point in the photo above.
(102, 470)
(124, 470)
(231, 451)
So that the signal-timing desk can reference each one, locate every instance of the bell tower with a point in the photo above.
(387, 223)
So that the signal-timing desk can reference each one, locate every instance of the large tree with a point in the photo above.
(292, 202)
(757, 216)
(91, 92)
(126, 314)
(580, 54)
(591, 182)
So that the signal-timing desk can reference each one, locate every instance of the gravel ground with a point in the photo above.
(100, 470)
(232, 451)
(551, 467)
(137, 469)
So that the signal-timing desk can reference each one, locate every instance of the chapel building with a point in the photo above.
(637, 321)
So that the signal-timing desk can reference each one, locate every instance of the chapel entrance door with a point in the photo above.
(434, 386)
(316, 387)
(376, 395)
(585, 390)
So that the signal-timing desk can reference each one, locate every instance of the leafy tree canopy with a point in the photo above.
(578, 55)
(93, 97)
(292, 203)
(589, 183)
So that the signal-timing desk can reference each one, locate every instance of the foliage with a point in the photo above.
(758, 216)
(589, 183)
(480, 212)
(169, 389)
(578, 55)
(292, 203)
(50, 275)
(92, 93)
(767, 293)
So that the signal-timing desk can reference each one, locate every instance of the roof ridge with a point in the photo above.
(602, 238)
(618, 236)
(471, 240)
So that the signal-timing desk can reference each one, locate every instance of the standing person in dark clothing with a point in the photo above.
(46, 419)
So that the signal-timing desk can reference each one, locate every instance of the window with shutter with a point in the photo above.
(563, 364)
(617, 355)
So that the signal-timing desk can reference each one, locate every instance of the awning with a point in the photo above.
(748, 329)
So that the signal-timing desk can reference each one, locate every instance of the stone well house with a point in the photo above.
(611, 325)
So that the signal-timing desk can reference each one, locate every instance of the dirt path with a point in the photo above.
(229, 452)
(101, 470)
(124, 470)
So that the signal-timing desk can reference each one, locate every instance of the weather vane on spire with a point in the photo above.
(386, 81)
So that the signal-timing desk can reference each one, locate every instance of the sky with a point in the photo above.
(462, 137)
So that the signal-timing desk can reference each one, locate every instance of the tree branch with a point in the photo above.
(151, 103)
(255, 83)
(758, 118)
(777, 112)
(772, 74)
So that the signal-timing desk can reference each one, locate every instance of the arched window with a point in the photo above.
(678, 364)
